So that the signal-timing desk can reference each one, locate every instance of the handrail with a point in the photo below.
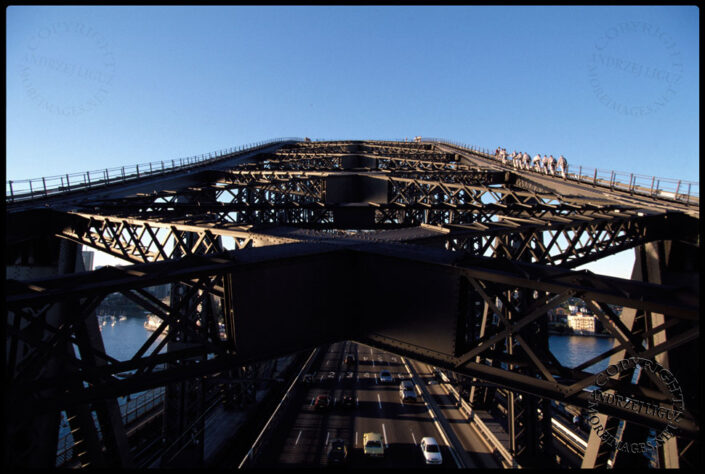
(148, 398)
(276, 414)
(664, 188)
(27, 189)
(508, 459)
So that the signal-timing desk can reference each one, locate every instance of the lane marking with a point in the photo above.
(412, 435)
(437, 424)
(327, 436)
(373, 362)
(408, 371)
(297, 438)
(357, 402)
(379, 402)
(386, 444)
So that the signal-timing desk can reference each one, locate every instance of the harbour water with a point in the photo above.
(572, 351)
(125, 337)
(122, 337)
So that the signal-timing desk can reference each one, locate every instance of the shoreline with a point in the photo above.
(552, 332)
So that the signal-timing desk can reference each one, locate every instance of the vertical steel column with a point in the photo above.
(674, 263)
(482, 397)
(183, 426)
(32, 437)
(599, 454)
(88, 446)
(516, 427)
(107, 410)
(532, 437)
(668, 263)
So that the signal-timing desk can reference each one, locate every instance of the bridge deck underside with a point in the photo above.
(405, 299)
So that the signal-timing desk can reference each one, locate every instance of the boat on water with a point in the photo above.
(103, 319)
(123, 317)
(153, 322)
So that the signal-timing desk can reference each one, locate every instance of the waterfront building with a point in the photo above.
(557, 315)
(582, 322)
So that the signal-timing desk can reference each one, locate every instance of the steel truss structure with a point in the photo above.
(428, 250)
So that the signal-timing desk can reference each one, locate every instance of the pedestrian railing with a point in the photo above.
(135, 408)
(26, 189)
(503, 453)
(274, 419)
(131, 408)
(64, 450)
(665, 188)
(23, 190)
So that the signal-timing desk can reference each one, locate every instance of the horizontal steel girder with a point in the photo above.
(648, 297)
(590, 237)
(357, 277)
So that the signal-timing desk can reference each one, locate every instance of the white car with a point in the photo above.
(431, 451)
(372, 444)
(385, 376)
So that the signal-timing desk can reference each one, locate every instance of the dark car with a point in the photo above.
(385, 376)
(347, 401)
(338, 452)
(322, 402)
(407, 396)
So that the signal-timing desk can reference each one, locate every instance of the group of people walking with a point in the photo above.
(522, 161)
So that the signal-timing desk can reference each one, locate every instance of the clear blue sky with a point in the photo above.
(614, 88)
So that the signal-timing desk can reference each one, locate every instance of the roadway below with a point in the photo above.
(303, 434)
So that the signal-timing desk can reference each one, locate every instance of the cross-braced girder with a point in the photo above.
(434, 196)
(549, 286)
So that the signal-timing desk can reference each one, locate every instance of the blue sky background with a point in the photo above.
(614, 88)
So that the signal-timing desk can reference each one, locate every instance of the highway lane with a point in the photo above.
(402, 425)
(311, 430)
(475, 448)
(303, 435)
